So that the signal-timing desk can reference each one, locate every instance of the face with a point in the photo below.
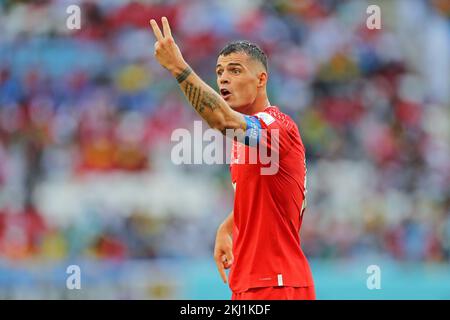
(238, 79)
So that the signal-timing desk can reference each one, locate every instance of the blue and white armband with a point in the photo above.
(253, 131)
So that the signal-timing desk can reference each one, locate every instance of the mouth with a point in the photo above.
(225, 93)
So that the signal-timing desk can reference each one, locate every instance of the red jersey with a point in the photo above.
(268, 208)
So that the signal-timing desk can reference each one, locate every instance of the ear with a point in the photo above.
(262, 79)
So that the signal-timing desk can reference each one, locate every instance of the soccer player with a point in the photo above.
(259, 240)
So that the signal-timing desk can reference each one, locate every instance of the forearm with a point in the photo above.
(227, 224)
(206, 101)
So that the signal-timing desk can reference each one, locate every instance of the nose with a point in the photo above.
(223, 79)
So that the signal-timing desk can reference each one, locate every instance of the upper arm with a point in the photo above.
(246, 129)
(263, 129)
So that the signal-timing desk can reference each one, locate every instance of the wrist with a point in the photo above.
(224, 228)
(178, 68)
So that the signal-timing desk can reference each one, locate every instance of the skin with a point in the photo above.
(244, 77)
(223, 248)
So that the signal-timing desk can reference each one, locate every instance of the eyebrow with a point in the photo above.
(231, 64)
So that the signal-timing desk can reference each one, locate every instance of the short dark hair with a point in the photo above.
(251, 49)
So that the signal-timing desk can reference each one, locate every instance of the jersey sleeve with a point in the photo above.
(253, 131)
(264, 130)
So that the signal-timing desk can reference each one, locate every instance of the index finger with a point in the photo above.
(156, 30)
(166, 27)
(221, 269)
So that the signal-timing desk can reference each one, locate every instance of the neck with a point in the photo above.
(260, 103)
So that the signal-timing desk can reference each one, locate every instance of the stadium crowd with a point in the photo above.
(373, 109)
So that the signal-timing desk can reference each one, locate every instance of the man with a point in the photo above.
(259, 240)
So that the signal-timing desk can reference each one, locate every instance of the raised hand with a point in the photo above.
(166, 50)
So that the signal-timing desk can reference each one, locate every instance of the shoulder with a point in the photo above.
(273, 115)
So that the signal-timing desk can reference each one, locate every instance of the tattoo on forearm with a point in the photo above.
(184, 74)
(200, 99)
(193, 95)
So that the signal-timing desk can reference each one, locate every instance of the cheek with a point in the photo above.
(247, 89)
(250, 90)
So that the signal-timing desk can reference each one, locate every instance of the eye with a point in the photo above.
(219, 72)
(235, 71)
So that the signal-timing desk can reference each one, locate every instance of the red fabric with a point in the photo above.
(267, 211)
(276, 293)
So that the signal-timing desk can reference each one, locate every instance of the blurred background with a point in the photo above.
(86, 118)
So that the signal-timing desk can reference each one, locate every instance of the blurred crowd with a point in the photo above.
(373, 109)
